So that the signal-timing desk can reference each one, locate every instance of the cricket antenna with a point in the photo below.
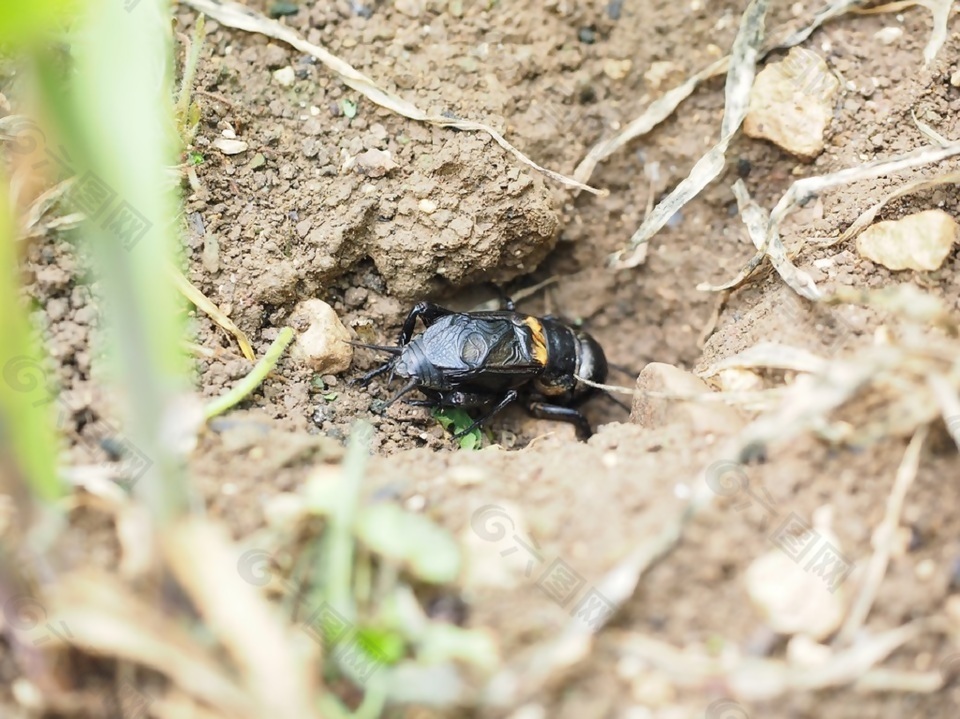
(408, 387)
(613, 399)
(622, 370)
(387, 366)
(378, 348)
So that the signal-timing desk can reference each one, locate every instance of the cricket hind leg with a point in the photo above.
(467, 400)
(544, 410)
(510, 396)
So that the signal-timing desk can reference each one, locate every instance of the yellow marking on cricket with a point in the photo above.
(539, 341)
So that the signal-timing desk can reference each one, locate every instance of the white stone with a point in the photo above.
(230, 147)
(791, 103)
(921, 241)
(285, 76)
(888, 35)
(321, 340)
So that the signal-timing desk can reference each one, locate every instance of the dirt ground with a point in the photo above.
(296, 217)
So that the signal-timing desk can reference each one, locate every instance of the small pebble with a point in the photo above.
(448, 608)
(210, 257)
(86, 315)
(587, 35)
(285, 76)
(355, 297)
(275, 56)
(888, 35)
(230, 147)
(410, 8)
(27, 694)
(465, 476)
(925, 569)
(791, 599)
(56, 309)
(284, 510)
(375, 163)
(616, 69)
(416, 503)
(791, 103)
(658, 73)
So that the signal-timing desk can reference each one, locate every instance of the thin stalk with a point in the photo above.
(189, 73)
(253, 380)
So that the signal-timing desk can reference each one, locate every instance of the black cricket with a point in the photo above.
(486, 360)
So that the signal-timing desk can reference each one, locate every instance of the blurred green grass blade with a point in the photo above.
(24, 22)
(26, 409)
(114, 114)
(340, 540)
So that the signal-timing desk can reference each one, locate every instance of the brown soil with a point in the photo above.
(292, 219)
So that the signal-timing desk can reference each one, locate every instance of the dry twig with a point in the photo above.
(235, 15)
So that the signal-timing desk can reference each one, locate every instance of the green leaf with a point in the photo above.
(349, 108)
(458, 420)
(331, 396)
(443, 418)
(388, 647)
(195, 158)
(425, 549)
(279, 9)
(25, 22)
(193, 115)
